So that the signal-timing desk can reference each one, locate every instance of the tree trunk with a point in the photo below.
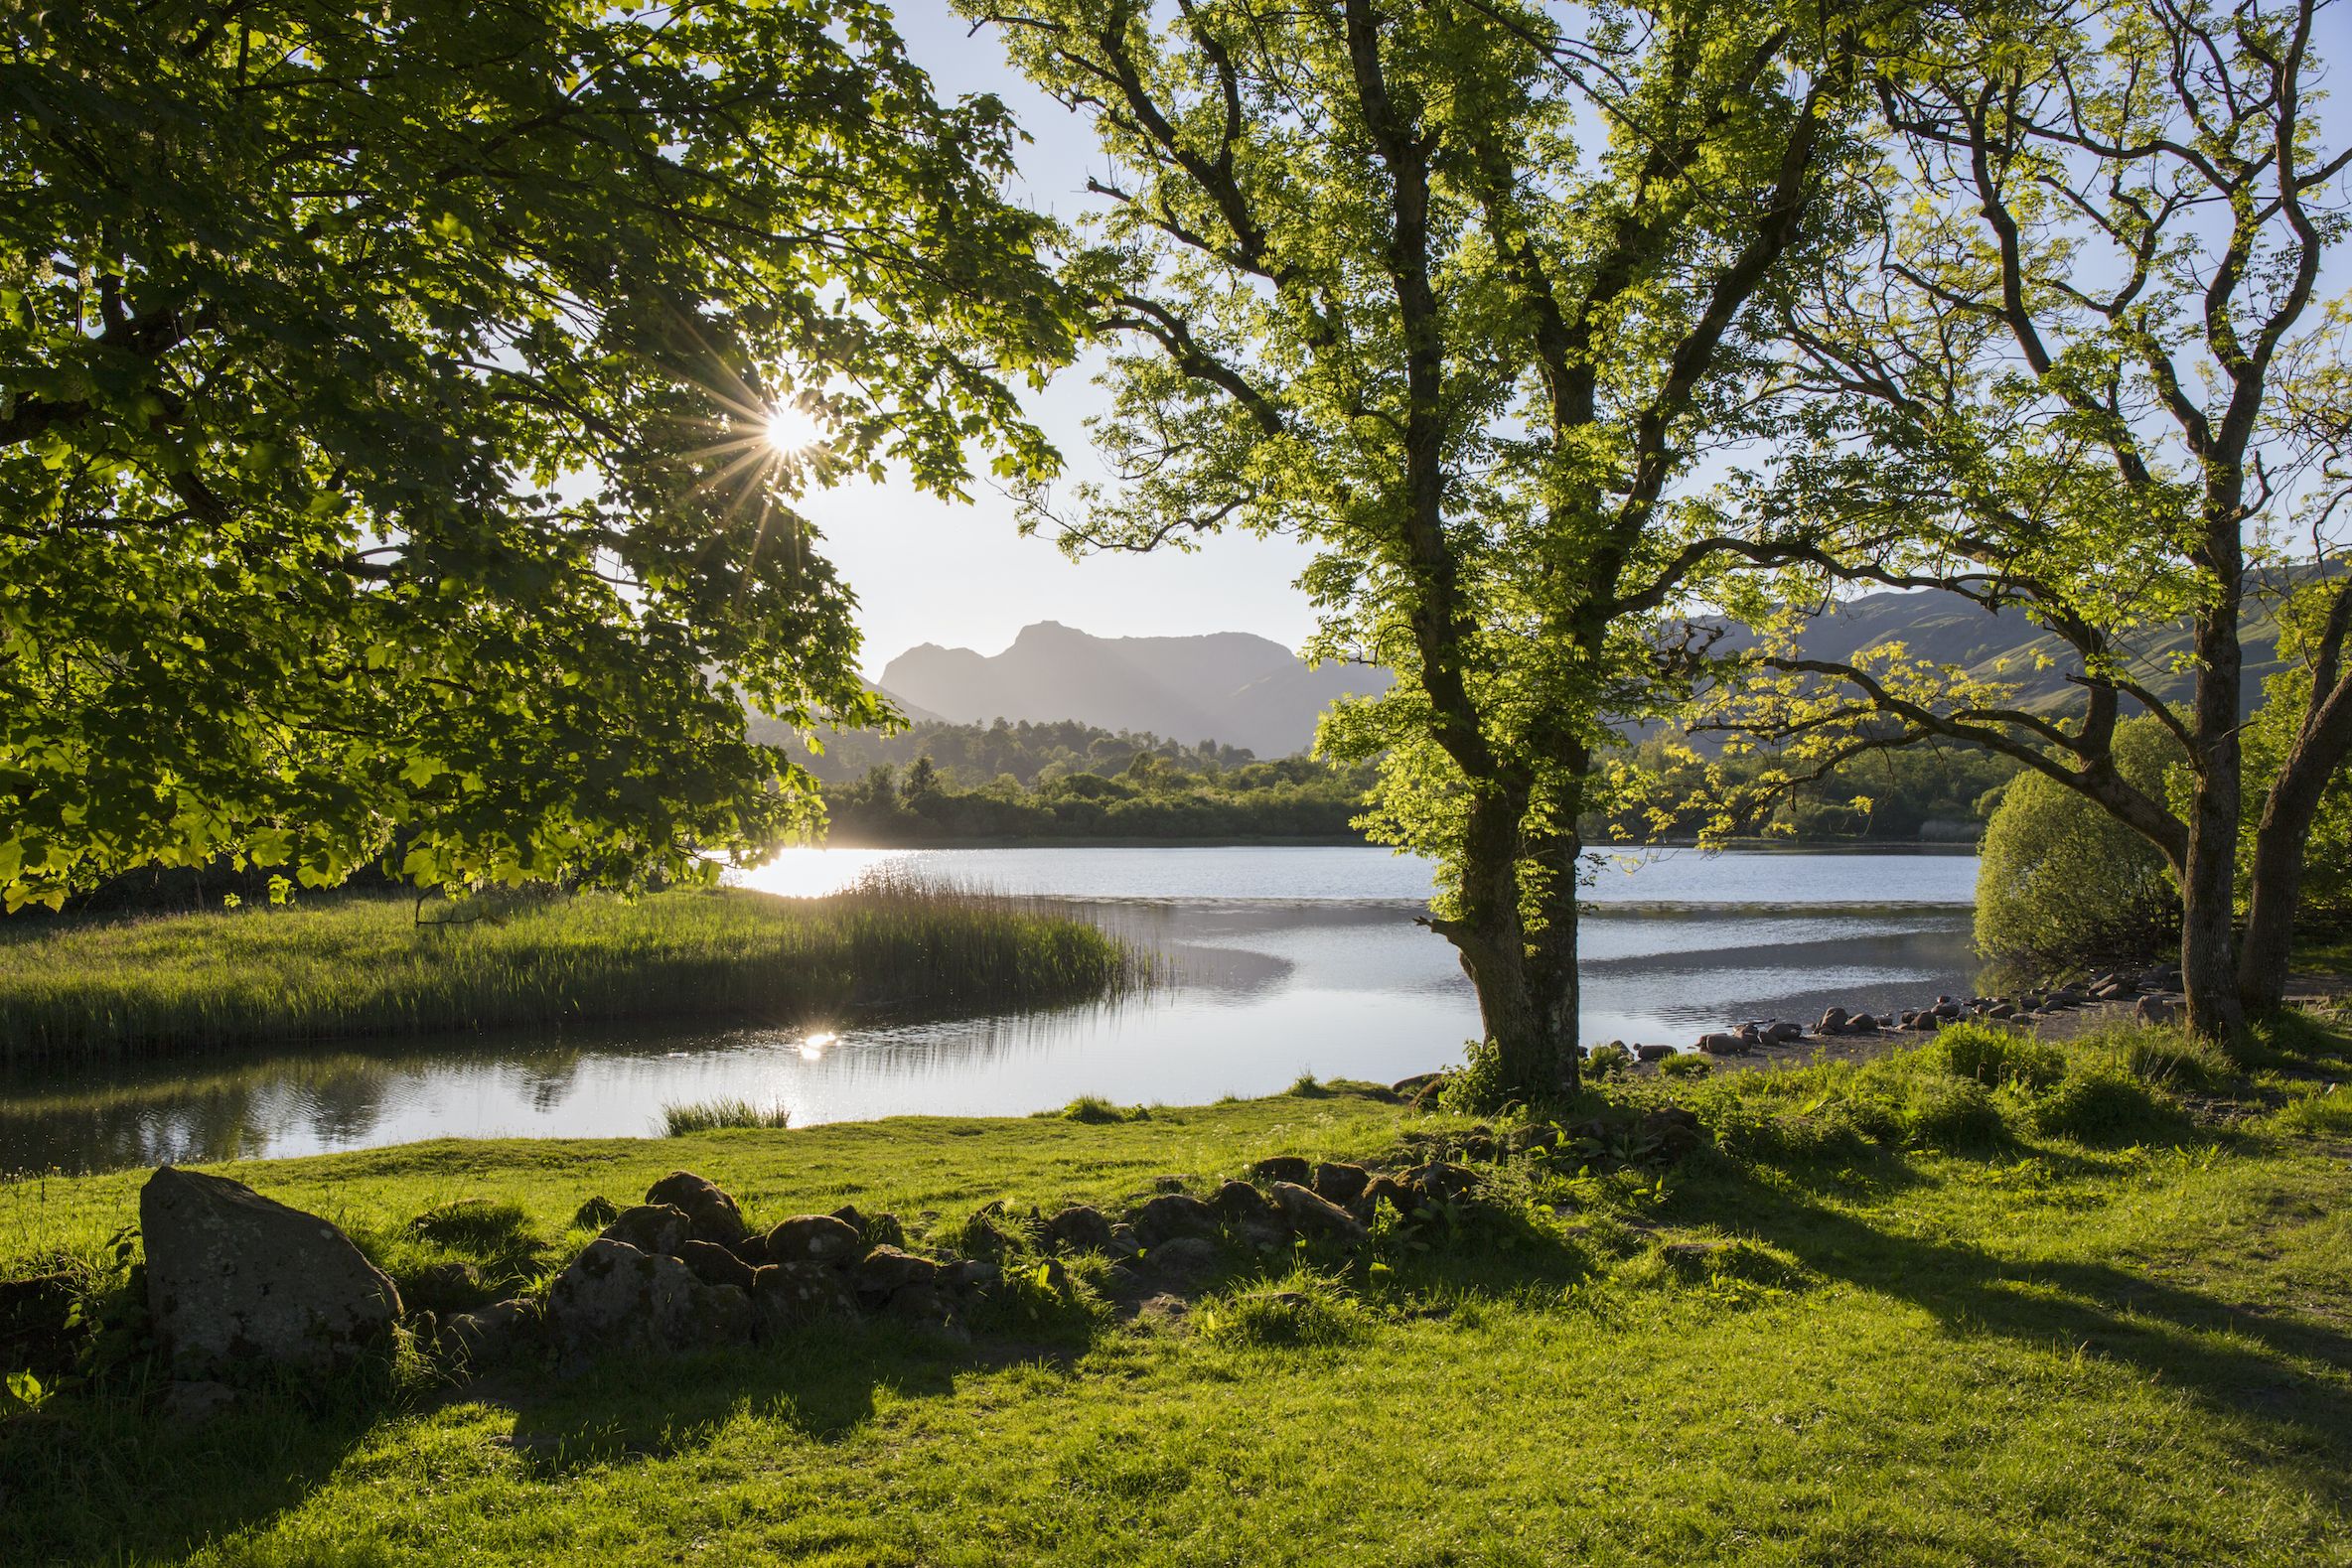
(2280, 841)
(1527, 999)
(2208, 944)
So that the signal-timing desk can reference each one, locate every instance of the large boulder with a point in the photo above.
(1282, 1168)
(886, 1270)
(1237, 1202)
(710, 1212)
(1723, 1043)
(1314, 1216)
(715, 1266)
(1337, 1182)
(235, 1278)
(493, 1334)
(658, 1228)
(785, 1294)
(1173, 1214)
(615, 1297)
(1081, 1227)
(815, 1238)
(1439, 1180)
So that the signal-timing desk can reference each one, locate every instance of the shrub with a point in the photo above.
(1094, 1111)
(2061, 883)
(2179, 1062)
(1954, 1113)
(681, 1118)
(1608, 1061)
(1684, 1066)
(475, 1225)
(1997, 1057)
(1302, 1309)
(2102, 1104)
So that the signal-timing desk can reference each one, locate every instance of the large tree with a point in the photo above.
(1460, 291)
(2080, 366)
(385, 418)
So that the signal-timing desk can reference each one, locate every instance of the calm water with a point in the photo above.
(1282, 961)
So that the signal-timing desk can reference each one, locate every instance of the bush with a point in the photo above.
(1684, 1066)
(1094, 1111)
(1998, 1056)
(2063, 884)
(477, 1226)
(2102, 1104)
(1304, 1309)
(1956, 1113)
(1608, 1061)
(2178, 1062)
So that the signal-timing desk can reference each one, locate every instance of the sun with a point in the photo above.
(790, 430)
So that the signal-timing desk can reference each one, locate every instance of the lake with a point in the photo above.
(1278, 960)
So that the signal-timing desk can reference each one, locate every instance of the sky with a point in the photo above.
(927, 570)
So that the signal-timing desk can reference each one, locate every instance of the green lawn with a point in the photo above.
(353, 967)
(1937, 1340)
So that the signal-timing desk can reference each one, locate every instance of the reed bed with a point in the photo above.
(679, 1118)
(355, 967)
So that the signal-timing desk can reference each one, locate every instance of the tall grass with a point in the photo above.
(681, 1118)
(361, 967)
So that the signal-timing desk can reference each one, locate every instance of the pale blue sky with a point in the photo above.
(928, 571)
(931, 571)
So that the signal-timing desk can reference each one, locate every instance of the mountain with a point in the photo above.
(2007, 647)
(1229, 686)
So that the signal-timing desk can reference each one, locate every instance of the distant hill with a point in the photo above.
(1229, 686)
(1945, 629)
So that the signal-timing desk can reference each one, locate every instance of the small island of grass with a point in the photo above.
(356, 966)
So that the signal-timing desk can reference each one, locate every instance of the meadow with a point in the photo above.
(345, 967)
(1982, 1301)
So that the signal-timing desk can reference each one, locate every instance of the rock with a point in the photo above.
(233, 1277)
(784, 1295)
(492, 1335)
(613, 1296)
(1167, 1183)
(1237, 1202)
(1282, 1168)
(2000, 1010)
(198, 1402)
(1311, 1216)
(1441, 1181)
(1173, 1214)
(2153, 1010)
(1834, 1021)
(1186, 1257)
(1653, 1053)
(1948, 1010)
(710, 1212)
(1384, 1188)
(1081, 1228)
(2113, 991)
(715, 1266)
(1408, 1087)
(922, 1302)
(973, 1274)
(443, 1287)
(1337, 1182)
(1123, 1241)
(1863, 1024)
(1783, 1032)
(1675, 1129)
(815, 1238)
(659, 1228)
(886, 1270)
(877, 1231)
(1722, 1044)
(753, 1248)
(596, 1214)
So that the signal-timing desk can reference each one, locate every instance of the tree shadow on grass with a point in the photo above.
(2165, 1331)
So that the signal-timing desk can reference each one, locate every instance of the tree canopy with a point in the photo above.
(384, 462)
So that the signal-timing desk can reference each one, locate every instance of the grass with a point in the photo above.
(345, 967)
(681, 1118)
(1888, 1315)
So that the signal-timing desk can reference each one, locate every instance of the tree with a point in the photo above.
(1361, 279)
(385, 406)
(2078, 365)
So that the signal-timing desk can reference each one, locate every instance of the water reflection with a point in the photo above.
(1258, 992)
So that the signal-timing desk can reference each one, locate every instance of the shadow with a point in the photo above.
(2095, 1308)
